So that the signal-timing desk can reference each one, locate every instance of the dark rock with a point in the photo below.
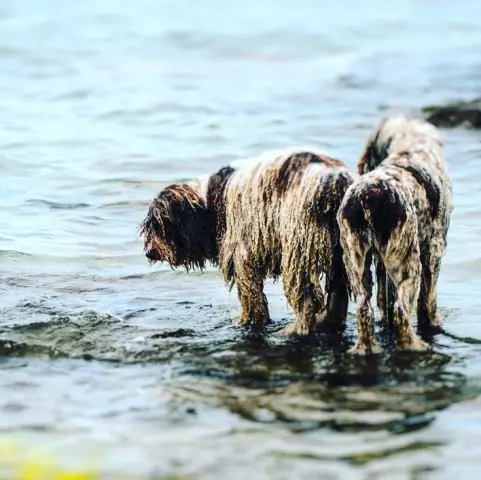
(467, 114)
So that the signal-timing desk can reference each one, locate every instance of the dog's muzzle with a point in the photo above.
(152, 255)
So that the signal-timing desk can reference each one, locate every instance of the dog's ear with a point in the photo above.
(216, 200)
(373, 155)
(363, 164)
(376, 149)
(179, 229)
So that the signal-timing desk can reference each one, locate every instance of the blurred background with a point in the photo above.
(142, 371)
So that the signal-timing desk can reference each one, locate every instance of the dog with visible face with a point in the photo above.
(397, 213)
(269, 217)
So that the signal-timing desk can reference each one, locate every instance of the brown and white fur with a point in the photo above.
(398, 213)
(274, 216)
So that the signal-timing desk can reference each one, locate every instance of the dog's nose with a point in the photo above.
(151, 255)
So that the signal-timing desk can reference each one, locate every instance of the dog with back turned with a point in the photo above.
(271, 217)
(397, 213)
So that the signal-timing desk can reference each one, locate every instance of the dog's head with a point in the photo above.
(179, 229)
(397, 134)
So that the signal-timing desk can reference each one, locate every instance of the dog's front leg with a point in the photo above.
(250, 288)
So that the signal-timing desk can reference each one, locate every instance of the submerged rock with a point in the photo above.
(455, 114)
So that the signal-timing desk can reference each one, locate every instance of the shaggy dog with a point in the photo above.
(398, 212)
(275, 216)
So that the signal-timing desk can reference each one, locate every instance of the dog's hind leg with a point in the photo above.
(357, 247)
(402, 260)
(428, 315)
(360, 276)
(385, 294)
(304, 296)
(250, 288)
(337, 295)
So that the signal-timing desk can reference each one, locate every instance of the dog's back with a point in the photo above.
(401, 134)
(406, 157)
(275, 200)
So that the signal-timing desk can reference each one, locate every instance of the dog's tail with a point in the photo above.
(384, 210)
(374, 210)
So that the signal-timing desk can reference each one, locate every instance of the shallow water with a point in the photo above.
(139, 370)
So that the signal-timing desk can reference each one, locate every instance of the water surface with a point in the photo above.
(105, 360)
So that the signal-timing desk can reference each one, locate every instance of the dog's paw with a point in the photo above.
(243, 321)
(437, 321)
(414, 344)
(365, 350)
(295, 329)
(259, 320)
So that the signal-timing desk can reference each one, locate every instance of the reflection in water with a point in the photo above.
(314, 384)
(260, 378)
(259, 375)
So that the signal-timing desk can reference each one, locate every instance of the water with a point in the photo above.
(106, 361)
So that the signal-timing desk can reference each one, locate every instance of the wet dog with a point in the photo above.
(398, 213)
(270, 217)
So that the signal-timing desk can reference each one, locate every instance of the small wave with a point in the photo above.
(125, 203)
(87, 335)
(57, 205)
(129, 181)
(20, 349)
(79, 94)
(48, 259)
(16, 145)
(13, 254)
(178, 333)
(88, 318)
(156, 109)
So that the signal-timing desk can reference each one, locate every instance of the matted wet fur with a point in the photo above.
(397, 213)
(275, 216)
